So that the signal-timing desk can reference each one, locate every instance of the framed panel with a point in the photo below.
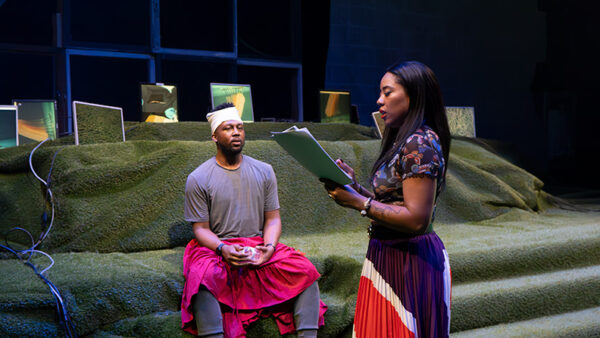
(36, 120)
(96, 123)
(159, 102)
(238, 94)
(379, 123)
(334, 106)
(461, 121)
(8, 127)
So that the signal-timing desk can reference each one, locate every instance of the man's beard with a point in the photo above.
(230, 151)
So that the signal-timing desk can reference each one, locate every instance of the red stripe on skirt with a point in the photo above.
(415, 275)
(376, 316)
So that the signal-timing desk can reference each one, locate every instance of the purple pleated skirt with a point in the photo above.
(404, 289)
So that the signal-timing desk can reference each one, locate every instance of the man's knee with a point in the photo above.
(207, 313)
(307, 333)
(306, 310)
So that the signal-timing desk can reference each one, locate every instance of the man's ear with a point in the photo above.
(214, 138)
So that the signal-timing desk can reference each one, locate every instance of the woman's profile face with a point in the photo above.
(393, 101)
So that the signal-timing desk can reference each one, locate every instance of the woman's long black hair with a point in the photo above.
(425, 104)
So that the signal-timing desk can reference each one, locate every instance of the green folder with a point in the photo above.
(302, 146)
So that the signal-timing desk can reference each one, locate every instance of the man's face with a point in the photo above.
(230, 137)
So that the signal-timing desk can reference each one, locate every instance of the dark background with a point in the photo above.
(529, 67)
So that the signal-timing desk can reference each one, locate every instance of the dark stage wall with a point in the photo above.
(528, 67)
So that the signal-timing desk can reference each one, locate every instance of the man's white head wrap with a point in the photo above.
(226, 114)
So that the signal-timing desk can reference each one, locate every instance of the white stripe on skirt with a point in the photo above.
(386, 291)
(447, 286)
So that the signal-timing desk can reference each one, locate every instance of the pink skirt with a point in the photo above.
(249, 293)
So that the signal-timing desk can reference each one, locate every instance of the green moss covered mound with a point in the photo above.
(200, 131)
(119, 233)
(129, 196)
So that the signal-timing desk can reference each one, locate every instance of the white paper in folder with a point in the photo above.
(302, 146)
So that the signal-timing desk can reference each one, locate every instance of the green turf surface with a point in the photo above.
(129, 196)
(119, 233)
(131, 293)
(578, 324)
(200, 131)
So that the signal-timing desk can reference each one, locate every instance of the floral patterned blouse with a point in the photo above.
(421, 155)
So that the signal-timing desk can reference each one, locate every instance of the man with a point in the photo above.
(236, 271)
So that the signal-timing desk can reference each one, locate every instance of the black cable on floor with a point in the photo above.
(61, 306)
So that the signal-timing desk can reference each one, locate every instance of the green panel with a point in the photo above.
(98, 124)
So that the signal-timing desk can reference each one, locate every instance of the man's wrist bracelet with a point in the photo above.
(219, 249)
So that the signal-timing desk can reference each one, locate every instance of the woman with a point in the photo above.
(404, 289)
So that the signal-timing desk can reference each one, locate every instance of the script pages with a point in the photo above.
(302, 146)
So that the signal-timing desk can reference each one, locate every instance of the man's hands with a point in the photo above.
(264, 254)
(235, 255)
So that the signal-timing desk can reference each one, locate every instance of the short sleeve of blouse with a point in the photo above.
(420, 157)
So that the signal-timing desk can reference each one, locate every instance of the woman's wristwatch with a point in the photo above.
(366, 207)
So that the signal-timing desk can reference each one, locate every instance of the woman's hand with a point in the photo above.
(344, 195)
(348, 169)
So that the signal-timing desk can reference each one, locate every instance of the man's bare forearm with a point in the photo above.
(205, 236)
(272, 227)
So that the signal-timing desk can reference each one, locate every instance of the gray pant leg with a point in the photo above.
(207, 313)
(306, 309)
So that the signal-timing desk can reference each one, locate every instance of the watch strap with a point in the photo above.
(219, 249)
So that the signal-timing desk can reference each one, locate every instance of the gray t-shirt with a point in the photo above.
(232, 201)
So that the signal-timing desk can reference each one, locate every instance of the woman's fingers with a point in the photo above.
(329, 184)
(344, 166)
